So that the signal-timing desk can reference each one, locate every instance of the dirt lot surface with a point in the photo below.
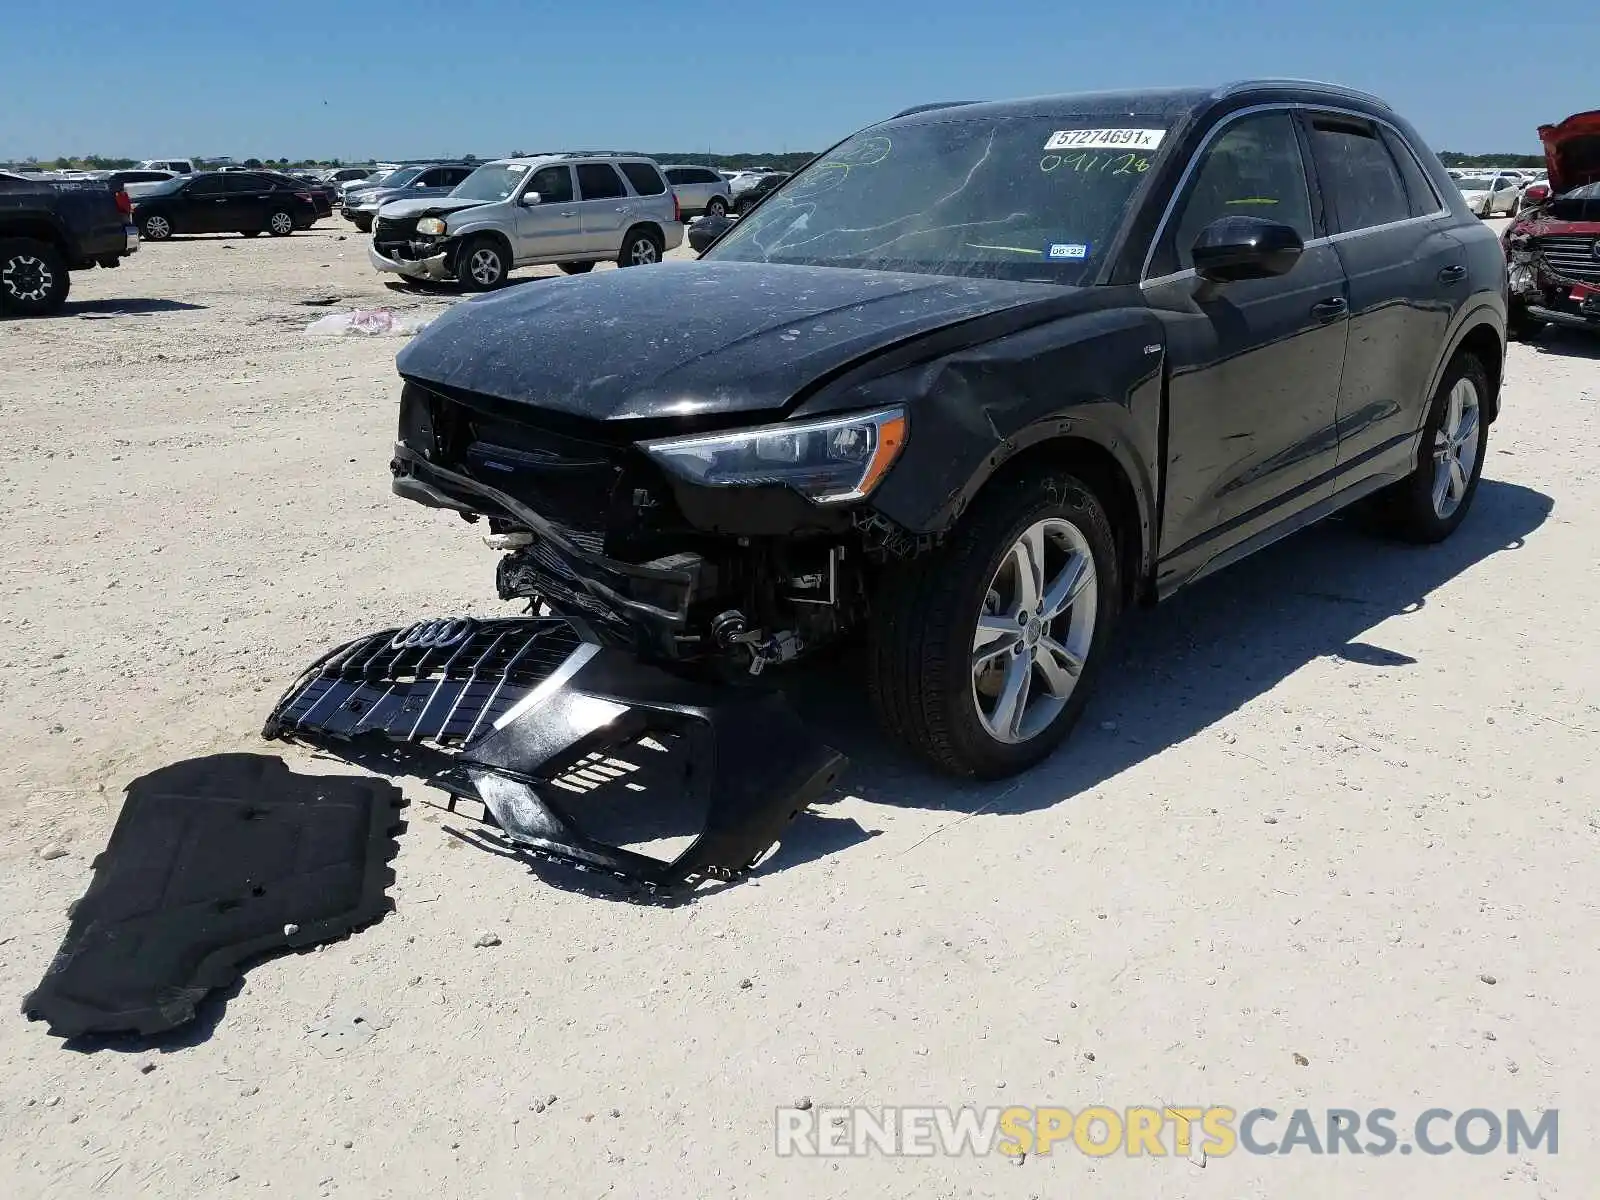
(1327, 836)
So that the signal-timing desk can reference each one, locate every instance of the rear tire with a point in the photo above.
(1427, 505)
(640, 248)
(481, 265)
(716, 207)
(576, 268)
(34, 280)
(938, 618)
(280, 222)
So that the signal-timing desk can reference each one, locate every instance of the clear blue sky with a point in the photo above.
(408, 78)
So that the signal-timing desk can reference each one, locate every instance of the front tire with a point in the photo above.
(480, 265)
(1427, 505)
(155, 228)
(33, 278)
(640, 248)
(362, 222)
(982, 653)
(280, 222)
(576, 268)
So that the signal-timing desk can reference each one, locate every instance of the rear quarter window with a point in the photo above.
(646, 180)
(1423, 197)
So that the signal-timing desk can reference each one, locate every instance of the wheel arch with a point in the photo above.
(1488, 345)
(1107, 474)
(495, 235)
(653, 227)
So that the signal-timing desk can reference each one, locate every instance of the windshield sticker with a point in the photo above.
(1105, 139)
(516, 168)
(1067, 251)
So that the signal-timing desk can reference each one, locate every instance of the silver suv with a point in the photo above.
(573, 210)
(700, 190)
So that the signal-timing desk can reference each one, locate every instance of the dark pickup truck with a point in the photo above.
(50, 228)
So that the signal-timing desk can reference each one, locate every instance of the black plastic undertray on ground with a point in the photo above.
(215, 862)
(558, 736)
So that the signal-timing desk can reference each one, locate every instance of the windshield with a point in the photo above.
(1030, 198)
(1475, 183)
(496, 181)
(400, 177)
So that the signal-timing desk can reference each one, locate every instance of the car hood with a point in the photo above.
(428, 205)
(1572, 151)
(694, 339)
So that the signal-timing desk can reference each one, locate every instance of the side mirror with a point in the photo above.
(1231, 249)
(531, 198)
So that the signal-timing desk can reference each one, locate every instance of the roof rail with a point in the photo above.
(922, 108)
(1336, 89)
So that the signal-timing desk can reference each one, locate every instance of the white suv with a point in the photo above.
(573, 210)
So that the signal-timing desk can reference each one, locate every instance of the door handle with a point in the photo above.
(1330, 309)
(569, 215)
(1453, 274)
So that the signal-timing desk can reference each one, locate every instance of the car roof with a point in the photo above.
(529, 160)
(1175, 102)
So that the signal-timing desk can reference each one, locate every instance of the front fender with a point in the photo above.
(1094, 376)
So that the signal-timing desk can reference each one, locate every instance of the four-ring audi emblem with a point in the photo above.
(433, 635)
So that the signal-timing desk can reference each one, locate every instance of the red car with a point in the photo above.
(1553, 248)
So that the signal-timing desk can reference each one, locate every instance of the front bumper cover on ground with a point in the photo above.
(550, 731)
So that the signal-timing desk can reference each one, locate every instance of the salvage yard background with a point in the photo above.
(1336, 804)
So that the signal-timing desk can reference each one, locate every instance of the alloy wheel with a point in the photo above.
(282, 223)
(27, 277)
(157, 229)
(644, 252)
(484, 266)
(1034, 631)
(1455, 448)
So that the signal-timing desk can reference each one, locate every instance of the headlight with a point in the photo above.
(842, 458)
(432, 226)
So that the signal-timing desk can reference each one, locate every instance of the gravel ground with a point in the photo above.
(1326, 838)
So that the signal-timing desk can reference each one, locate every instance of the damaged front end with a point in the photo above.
(722, 582)
(556, 735)
(399, 248)
(1553, 248)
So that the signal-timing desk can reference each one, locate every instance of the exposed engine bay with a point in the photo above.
(592, 528)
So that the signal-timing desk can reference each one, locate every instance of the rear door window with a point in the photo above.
(208, 185)
(677, 175)
(597, 181)
(1253, 168)
(1359, 176)
(645, 179)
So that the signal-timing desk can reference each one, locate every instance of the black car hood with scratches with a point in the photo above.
(692, 339)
